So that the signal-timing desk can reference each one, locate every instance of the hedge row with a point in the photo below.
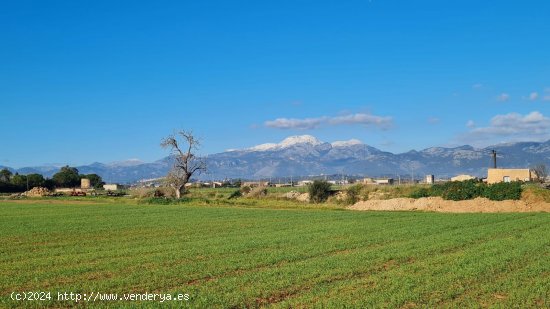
(470, 189)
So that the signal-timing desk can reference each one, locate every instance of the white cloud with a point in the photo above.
(381, 122)
(362, 119)
(511, 127)
(533, 96)
(470, 124)
(300, 124)
(503, 97)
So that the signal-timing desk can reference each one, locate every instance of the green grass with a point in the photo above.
(251, 255)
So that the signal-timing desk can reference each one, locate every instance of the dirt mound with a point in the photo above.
(292, 195)
(257, 192)
(440, 205)
(37, 192)
(304, 197)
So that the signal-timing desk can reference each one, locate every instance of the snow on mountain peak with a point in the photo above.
(264, 147)
(300, 139)
(288, 142)
(351, 142)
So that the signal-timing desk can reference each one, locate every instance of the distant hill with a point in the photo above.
(306, 155)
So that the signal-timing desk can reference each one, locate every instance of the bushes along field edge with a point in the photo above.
(470, 189)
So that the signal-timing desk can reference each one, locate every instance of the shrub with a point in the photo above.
(455, 190)
(319, 191)
(235, 194)
(6, 187)
(141, 192)
(421, 192)
(462, 190)
(470, 189)
(245, 190)
(353, 194)
(437, 189)
(152, 192)
(503, 191)
(258, 192)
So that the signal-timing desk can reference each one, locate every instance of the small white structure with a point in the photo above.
(85, 183)
(430, 179)
(303, 183)
(110, 187)
(387, 181)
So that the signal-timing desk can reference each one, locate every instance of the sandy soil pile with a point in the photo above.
(304, 197)
(292, 195)
(440, 205)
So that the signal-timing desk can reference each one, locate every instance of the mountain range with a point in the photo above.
(306, 155)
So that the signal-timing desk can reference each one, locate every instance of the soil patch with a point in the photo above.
(440, 205)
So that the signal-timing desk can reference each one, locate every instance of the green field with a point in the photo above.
(233, 256)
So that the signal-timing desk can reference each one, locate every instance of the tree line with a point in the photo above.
(67, 177)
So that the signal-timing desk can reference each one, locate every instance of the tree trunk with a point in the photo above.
(178, 191)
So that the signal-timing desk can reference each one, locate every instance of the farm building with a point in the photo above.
(303, 183)
(386, 181)
(253, 184)
(430, 179)
(378, 181)
(495, 175)
(111, 187)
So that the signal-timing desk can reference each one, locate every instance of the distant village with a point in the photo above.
(494, 175)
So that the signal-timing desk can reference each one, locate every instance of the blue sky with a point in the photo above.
(85, 81)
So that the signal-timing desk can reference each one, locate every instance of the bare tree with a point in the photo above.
(183, 145)
(541, 171)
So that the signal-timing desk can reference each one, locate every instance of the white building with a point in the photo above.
(430, 179)
(111, 187)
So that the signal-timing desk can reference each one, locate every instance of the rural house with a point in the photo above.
(495, 175)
